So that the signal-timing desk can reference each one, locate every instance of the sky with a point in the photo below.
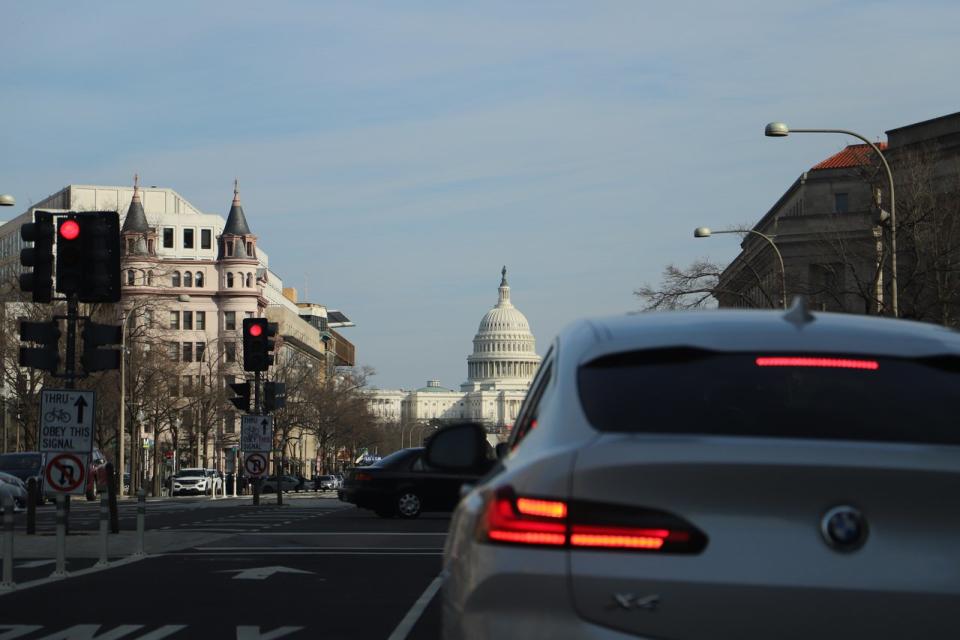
(392, 156)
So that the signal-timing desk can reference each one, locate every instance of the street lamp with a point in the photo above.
(781, 130)
(705, 232)
(7, 200)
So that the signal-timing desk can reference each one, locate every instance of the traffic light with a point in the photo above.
(95, 336)
(242, 401)
(47, 334)
(100, 238)
(39, 257)
(258, 343)
(69, 255)
(274, 396)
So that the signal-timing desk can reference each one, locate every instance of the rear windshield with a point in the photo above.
(773, 395)
(399, 458)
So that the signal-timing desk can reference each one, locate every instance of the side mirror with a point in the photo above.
(459, 447)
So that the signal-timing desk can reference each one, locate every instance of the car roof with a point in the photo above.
(796, 330)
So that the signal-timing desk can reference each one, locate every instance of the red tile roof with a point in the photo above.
(854, 155)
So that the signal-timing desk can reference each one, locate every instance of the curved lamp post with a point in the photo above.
(705, 232)
(7, 200)
(781, 130)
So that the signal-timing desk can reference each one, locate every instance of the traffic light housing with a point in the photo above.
(46, 334)
(69, 255)
(100, 238)
(258, 343)
(274, 396)
(39, 282)
(95, 336)
(242, 401)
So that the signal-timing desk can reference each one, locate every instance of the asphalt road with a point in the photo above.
(313, 567)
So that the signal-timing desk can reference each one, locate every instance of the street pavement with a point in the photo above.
(314, 567)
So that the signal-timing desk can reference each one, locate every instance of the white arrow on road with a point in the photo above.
(261, 573)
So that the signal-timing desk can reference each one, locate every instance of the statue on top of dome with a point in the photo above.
(503, 279)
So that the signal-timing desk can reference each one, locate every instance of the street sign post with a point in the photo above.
(255, 464)
(256, 433)
(66, 421)
(66, 473)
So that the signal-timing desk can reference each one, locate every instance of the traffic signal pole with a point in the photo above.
(256, 411)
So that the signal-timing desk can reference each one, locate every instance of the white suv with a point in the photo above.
(724, 474)
(193, 482)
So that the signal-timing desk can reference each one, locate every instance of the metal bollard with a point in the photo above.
(61, 570)
(7, 582)
(104, 530)
(32, 499)
(141, 521)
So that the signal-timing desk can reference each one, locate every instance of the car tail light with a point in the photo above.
(821, 363)
(363, 477)
(523, 520)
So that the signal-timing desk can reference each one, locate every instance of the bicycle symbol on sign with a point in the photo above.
(57, 415)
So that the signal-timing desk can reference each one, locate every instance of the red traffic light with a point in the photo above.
(256, 330)
(70, 229)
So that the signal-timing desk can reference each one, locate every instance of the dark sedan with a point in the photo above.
(402, 484)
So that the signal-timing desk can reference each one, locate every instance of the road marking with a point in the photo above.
(82, 572)
(262, 573)
(406, 625)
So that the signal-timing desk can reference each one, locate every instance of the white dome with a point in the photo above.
(504, 349)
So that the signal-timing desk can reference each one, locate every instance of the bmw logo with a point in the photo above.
(844, 528)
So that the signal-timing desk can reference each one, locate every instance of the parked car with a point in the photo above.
(326, 483)
(191, 482)
(667, 469)
(289, 483)
(402, 484)
(24, 465)
(11, 485)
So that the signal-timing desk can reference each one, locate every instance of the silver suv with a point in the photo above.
(717, 474)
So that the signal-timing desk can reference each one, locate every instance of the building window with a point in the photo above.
(229, 280)
(230, 320)
(248, 314)
(187, 390)
(188, 320)
(173, 389)
(150, 278)
(150, 247)
(229, 422)
(173, 350)
(131, 245)
(228, 245)
(201, 348)
(188, 238)
(131, 277)
(168, 238)
(230, 351)
(175, 279)
(249, 280)
(188, 352)
(841, 203)
(250, 249)
(205, 238)
(174, 319)
(201, 320)
(187, 279)
(198, 278)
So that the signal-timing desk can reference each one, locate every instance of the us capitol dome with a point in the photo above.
(499, 372)
(504, 350)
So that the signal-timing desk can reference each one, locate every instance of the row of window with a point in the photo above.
(189, 238)
(197, 320)
(196, 351)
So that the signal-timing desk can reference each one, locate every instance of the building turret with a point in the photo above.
(237, 242)
(138, 238)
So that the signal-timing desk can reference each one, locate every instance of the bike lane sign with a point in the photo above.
(66, 421)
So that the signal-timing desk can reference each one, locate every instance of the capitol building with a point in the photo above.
(499, 371)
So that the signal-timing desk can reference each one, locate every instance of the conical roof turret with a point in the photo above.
(136, 220)
(236, 221)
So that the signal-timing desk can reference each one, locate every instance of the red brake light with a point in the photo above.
(509, 519)
(363, 477)
(823, 363)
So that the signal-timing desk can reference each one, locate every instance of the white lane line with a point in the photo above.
(406, 625)
(73, 574)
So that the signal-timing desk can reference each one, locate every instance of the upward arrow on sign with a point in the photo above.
(80, 404)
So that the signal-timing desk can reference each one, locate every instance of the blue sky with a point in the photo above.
(393, 155)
